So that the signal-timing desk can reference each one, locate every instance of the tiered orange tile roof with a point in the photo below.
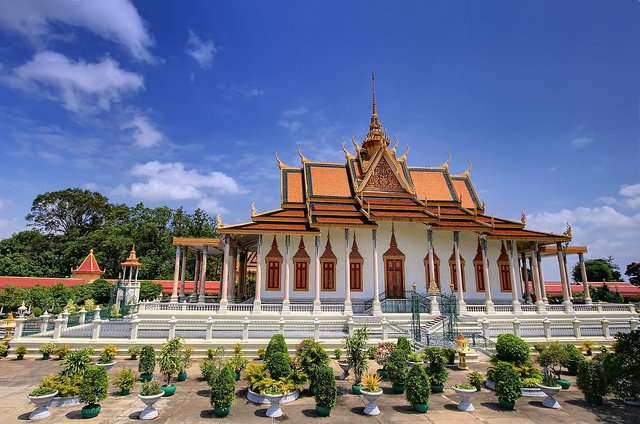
(88, 266)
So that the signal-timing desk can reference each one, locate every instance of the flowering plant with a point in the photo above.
(383, 351)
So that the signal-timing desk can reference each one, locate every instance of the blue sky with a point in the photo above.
(184, 103)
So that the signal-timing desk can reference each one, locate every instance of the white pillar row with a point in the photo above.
(224, 289)
(536, 277)
(566, 273)
(585, 282)
(317, 310)
(286, 309)
(196, 275)
(515, 303)
(462, 306)
(525, 278)
(377, 307)
(563, 277)
(203, 275)
(489, 307)
(257, 304)
(347, 276)
(182, 272)
(176, 271)
(543, 289)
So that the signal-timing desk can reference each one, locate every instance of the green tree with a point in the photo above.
(598, 270)
(11, 297)
(633, 272)
(149, 290)
(100, 290)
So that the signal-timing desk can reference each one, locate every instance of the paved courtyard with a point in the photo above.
(190, 404)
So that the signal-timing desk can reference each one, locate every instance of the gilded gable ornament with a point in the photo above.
(383, 177)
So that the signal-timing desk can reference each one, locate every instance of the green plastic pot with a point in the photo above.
(594, 400)
(312, 389)
(134, 357)
(222, 412)
(506, 404)
(237, 376)
(146, 377)
(45, 356)
(182, 376)
(169, 390)
(572, 370)
(437, 388)
(322, 411)
(261, 357)
(383, 373)
(90, 411)
(451, 361)
(19, 357)
(565, 384)
(397, 389)
(478, 388)
(356, 389)
(124, 392)
(421, 407)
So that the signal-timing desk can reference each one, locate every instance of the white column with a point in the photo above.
(566, 275)
(489, 307)
(377, 307)
(347, 276)
(286, 309)
(176, 271)
(432, 287)
(182, 272)
(196, 276)
(543, 289)
(225, 277)
(203, 275)
(462, 306)
(317, 310)
(568, 306)
(540, 307)
(525, 279)
(515, 303)
(257, 304)
(585, 283)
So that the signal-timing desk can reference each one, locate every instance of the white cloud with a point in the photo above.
(579, 142)
(114, 20)
(80, 86)
(171, 181)
(201, 51)
(90, 186)
(212, 206)
(4, 203)
(144, 133)
(288, 118)
(8, 227)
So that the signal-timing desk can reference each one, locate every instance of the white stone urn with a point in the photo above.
(371, 397)
(549, 401)
(345, 370)
(412, 363)
(106, 366)
(465, 394)
(41, 403)
(274, 410)
(150, 412)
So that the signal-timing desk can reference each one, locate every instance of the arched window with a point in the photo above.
(452, 271)
(478, 269)
(301, 268)
(328, 262)
(436, 269)
(505, 271)
(356, 263)
(274, 265)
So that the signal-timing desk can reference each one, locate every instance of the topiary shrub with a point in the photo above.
(572, 358)
(397, 366)
(622, 368)
(591, 379)
(326, 389)
(147, 363)
(4, 349)
(511, 348)
(276, 344)
(418, 385)
(57, 310)
(508, 382)
(279, 365)
(36, 311)
(313, 357)
(438, 374)
(75, 363)
(404, 344)
(223, 389)
(94, 386)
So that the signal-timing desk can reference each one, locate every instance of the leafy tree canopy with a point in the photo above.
(633, 272)
(598, 270)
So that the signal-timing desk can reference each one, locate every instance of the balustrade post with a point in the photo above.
(485, 327)
(172, 327)
(207, 335)
(245, 329)
(45, 321)
(316, 329)
(57, 330)
(97, 323)
(632, 308)
(351, 324)
(19, 326)
(605, 328)
(576, 328)
(281, 323)
(134, 328)
(546, 322)
(385, 329)
(516, 327)
(83, 313)
(65, 316)
(599, 307)
(633, 324)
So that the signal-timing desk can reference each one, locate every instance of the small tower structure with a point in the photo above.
(131, 284)
(89, 270)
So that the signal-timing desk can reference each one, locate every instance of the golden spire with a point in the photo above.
(523, 218)
(373, 80)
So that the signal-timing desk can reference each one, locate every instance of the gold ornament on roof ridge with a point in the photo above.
(523, 218)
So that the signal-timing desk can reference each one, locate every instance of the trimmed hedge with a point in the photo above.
(276, 344)
(326, 389)
(279, 365)
(511, 348)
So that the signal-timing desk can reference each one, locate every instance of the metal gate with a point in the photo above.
(448, 309)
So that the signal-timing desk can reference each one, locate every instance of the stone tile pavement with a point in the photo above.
(190, 404)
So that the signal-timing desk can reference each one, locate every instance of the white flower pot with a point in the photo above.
(549, 401)
(60, 401)
(106, 366)
(465, 404)
(371, 397)
(259, 399)
(274, 410)
(41, 403)
(412, 363)
(345, 370)
(632, 401)
(150, 412)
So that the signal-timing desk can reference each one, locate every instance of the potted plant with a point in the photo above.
(552, 359)
(134, 351)
(587, 346)
(622, 368)
(508, 385)
(147, 363)
(438, 374)
(326, 391)
(550, 388)
(238, 363)
(404, 344)
(93, 389)
(261, 352)
(382, 354)
(274, 394)
(4, 349)
(41, 397)
(223, 392)
(356, 356)
(465, 391)
(47, 349)
(591, 382)
(312, 357)
(278, 365)
(75, 363)
(475, 379)
(337, 353)
(572, 359)
(397, 366)
(450, 353)
(20, 351)
(150, 394)
(418, 388)
(371, 393)
(276, 344)
(62, 351)
(124, 380)
(185, 362)
(413, 358)
(169, 362)
(371, 352)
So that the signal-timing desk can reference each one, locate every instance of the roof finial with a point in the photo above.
(373, 80)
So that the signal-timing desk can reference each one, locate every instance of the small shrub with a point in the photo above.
(549, 380)
(475, 379)
(110, 350)
(383, 351)
(4, 348)
(256, 374)
(65, 385)
(438, 374)
(21, 350)
(278, 365)
(530, 382)
(223, 389)
(134, 350)
(211, 351)
(404, 344)
(591, 379)
(511, 348)
(370, 382)
(622, 369)
(553, 358)
(573, 357)
(57, 311)
(355, 347)
(36, 311)
(75, 363)
(326, 389)
(169, 358)
(147, 362)
(276, 344)
(588, 346)
(94, 386)
(418, 385)
(47, 348)
(450, 353)
(125, 379)
(508, 382)
(313, 357)
(464, 387)
(337, 353)
(185, 358)
(414, 357)
(397, 366)
(151, 388)
(42, 391)
(371, 352)
(62, 351)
